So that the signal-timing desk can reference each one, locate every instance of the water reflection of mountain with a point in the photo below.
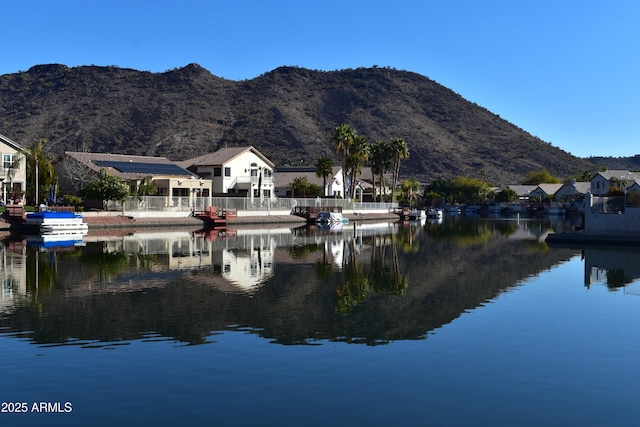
(369, 286)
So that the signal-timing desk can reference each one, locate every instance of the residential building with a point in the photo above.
(168, 179)
(285, 177)
(240, 171)
(13, 170)
(544, 191)
(603, 181)
(572, 191)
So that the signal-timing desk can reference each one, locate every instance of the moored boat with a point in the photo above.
(435, 213)
(326, 217)
(416, 214)
(48, 222)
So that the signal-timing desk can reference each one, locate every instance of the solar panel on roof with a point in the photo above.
(147, 168)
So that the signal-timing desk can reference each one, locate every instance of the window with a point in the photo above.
(227, 171)
(217, 171)
(7, 161)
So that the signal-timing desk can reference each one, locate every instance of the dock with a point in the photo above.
(310, 213)
(214, 217)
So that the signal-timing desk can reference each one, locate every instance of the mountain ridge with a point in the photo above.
(289, 114)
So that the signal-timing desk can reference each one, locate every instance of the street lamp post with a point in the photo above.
(37, 198)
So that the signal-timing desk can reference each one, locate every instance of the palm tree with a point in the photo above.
(46, 173)
(380, 160)
(410, 191)
(358, 157)
(324, 169)
(400, 152)
(343, 139)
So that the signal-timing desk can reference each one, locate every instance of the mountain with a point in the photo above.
(617, 163)
(289, 114)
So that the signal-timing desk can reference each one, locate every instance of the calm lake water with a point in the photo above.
(469, 321)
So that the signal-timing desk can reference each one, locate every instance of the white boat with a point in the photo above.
(49, 222)
(416, 214)
(435, 213)
(326, 217)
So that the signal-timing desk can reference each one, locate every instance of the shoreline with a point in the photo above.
(124, 222)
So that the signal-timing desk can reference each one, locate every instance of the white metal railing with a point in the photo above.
(186, 204)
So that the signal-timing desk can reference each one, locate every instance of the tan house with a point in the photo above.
(170, 180)
(240, 171)
(13, 171)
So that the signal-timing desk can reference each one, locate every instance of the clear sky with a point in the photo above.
(566, 71)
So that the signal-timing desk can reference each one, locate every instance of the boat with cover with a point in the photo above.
(55, 222)
(326, 217)
(435, 213)
(416, 214)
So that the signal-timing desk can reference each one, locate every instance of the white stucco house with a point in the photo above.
(13, 170)
(240, 171)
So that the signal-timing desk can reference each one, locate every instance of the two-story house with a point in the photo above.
(241, 171)
(13, 170)
(603, 181)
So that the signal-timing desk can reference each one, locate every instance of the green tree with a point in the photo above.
(47, 175)
(540, 177)
(400, 152)
(342, 139)
(410, 191)
(106, 187)
(324, 170)
(146, 187)
(506, 195)
(380, 159)
(358, 157)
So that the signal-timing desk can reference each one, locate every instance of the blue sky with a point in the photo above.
(566, 71)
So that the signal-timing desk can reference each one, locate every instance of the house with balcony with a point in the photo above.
(13, 170)
(236, 171)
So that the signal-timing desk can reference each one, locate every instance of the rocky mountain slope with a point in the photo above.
(289, 114)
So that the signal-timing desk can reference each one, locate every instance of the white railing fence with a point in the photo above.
(242, 204)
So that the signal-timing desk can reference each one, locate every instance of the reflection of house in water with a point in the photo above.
(614, 267)
(248, 267)
(14, 279)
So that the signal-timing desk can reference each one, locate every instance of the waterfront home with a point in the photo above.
(286, 175)
(522, 191)
(545, 191)
(236, 171)
(13, 170)
(602, 182)
(572, 191)
(166, 177)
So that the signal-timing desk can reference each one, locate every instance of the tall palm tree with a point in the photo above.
(358, 157)
(324, 169)
(400, 152)
(47, 175)
(380, 160)
(343, 139)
